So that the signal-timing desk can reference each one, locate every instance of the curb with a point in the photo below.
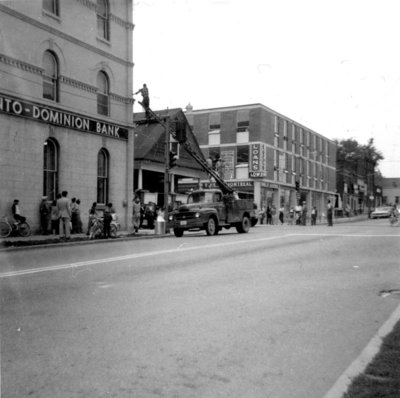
(7, 245)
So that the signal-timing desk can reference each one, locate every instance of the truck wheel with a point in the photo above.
(178, 232)
(211, 227)
(244, 225)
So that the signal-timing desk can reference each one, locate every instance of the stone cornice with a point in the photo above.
(63, 35)
(5, 59)
(77, 84)
(124, 100)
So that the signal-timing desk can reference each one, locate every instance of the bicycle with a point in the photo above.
(8, 228)
(97, 228)
(394, 220)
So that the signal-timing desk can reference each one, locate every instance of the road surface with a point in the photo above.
(279, 312)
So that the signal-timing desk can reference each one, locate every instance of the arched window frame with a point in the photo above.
(50, 168)
(103, 90)
(103, 183)
(52, 7)
(103, 19)
(50, 76)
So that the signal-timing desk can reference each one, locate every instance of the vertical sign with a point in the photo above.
(258, 160)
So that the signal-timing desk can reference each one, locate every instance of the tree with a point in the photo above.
(371, 153)
(351, 150)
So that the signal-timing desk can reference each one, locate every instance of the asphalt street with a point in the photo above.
(279, 312)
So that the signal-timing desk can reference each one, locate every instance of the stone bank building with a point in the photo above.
(267, 154)
(66, 104)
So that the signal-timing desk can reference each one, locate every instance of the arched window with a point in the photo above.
(50, 169)
(103, 19)
(103, 160)
(50, 76)
(102, 93)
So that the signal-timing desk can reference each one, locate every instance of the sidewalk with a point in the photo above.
(47, 240)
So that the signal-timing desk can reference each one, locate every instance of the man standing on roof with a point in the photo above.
(145, 99)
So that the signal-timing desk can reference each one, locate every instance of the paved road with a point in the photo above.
(279, 312)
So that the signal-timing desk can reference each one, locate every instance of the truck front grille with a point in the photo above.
(187, 215)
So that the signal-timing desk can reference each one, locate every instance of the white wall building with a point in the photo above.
(66, 104)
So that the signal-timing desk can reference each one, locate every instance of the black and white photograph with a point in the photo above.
(199, 199)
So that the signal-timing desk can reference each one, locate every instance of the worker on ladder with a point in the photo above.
(146, 100)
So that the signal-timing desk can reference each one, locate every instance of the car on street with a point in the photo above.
(381, 212)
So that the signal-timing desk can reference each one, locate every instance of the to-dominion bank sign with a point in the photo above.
(56, 117)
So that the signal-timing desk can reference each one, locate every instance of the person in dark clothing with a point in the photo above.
(16, 212)
(44, 211)
(329, 214)
(269, 215)
(145, 99)
(107, 221)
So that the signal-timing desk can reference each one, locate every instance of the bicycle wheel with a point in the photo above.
(24, 229)
(5, 229)
(113, 231)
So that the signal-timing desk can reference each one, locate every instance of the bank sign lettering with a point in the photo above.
(60, 118)
(258, 160)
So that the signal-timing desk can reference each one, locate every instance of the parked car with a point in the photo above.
(381, 212)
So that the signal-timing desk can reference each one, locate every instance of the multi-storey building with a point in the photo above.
(258, 150)
(66, 103)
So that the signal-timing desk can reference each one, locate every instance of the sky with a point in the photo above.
(331, 65)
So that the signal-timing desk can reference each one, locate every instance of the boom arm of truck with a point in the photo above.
(223, 186)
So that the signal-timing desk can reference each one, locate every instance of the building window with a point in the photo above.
(102, 94)
(293, 138)
(242, 162)
(242, 132)
(50, 169)
(51, 6)
(50, 76)
(103, 19)
(102, 176)
(174, 146)
(242, 126)
(214, 135)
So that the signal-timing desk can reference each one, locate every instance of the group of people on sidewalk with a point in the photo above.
(54, 215)
(295, 216)
(63, 217)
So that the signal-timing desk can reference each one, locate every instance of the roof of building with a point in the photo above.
(193, 112)
(149, 138)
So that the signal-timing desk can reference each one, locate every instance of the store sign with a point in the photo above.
(232, 184)
(56, 117)
(258, 160)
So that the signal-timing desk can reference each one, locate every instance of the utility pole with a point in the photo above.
(166, 173)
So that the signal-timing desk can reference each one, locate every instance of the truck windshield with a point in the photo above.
(200, 197)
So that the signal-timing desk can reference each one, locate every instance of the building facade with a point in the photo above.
(391, 191)
(66, 104)
(258, 150)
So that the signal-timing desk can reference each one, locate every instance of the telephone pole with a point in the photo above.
(166, 173)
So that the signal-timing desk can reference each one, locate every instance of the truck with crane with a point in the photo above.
(210, 210)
